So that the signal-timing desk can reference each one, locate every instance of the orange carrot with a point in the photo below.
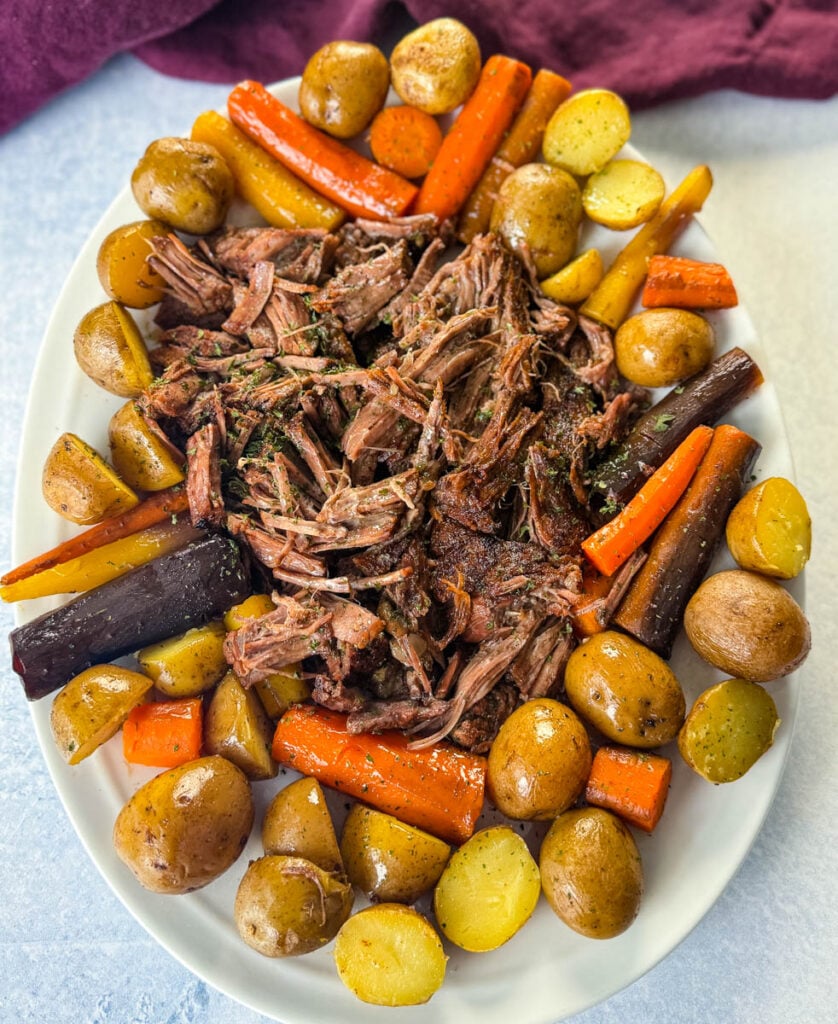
(521, 146)
(595, 588)
(439, 789)
(336, 171)
(165, 734)
(475, 135)
(155, 509)
(406, 140)
(689, 284)
(613, 543)
(631, 783)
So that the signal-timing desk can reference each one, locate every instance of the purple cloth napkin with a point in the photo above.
(648, 50)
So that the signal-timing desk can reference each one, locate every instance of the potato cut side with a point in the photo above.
(575, 281)
(770, 530)
(390, 955)
(188, 664)
(623, 194)
(122, 268)
(586, 131)
(488, 890)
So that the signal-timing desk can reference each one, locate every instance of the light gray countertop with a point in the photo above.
(766, 953)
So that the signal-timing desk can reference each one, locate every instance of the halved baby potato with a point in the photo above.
(110, 349)
(79, 485)
(92, 706)
(189, 664)
(623, 194)
(122, 264)
(139, 455)
(586, 131)
(575, 281)
(237, 727)
(297, 823)
(770, 531)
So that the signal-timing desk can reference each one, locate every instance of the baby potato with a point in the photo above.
(436, 67)
(591, 872)
(287, 906)
(189, 664)
(141, 457)
(729, 728)
(623, 194)
(109, 348)
(186, 826)
(539, 761)
(343, 87)
(297, 823)
(747, 625)
(92, 706)
(540, 207)
(625, 690)
(79, 485)
(390, 955)
(586, 131)
(388, 860)
(237, 727)
(122, 268)
(576, 280)
(487, 891)
(659, 347)
(769, 530)
(185, 184)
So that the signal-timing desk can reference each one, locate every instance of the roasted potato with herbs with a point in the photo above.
(121, 264)
(388, 860)
(237, 727)
(185, 827)
(659, 347)
(436, 67)
(92, 706)
(729, 728)
(109, 348)
(297, 823)
(287, 906)
(189, 664)
(623, 194)
(591, 872)
(539, 207)
(487, 891)
(625, 690)
(344, 85)
(139, 455)
(185, 184)
(539, 761)
(576, 280)
(747, 625)
(770, 531)
(79, 485)
(390, 955)
(586, 131)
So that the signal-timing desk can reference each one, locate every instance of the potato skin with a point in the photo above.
(625, 690)
(748, 626)
(343, 87)
(660, 347)
(186, 184)
(186, 826)
(79, 485)
(540, 207)
(122, 268)
(591, 872)
(436, 67)
(297, 823)
(539, 761)
(109, 348)
(237, 726)
(140, 457)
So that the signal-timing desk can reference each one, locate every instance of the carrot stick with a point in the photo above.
(614, 542)
(336, 171)
(521, 146)
(406, 140)
(475, 135)
(631, 783)
(439, 789)
(689, 284)
(164, 735)
(683, 548)
(154, 509)
(611, 300)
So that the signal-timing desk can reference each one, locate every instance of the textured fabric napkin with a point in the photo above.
(648, 50)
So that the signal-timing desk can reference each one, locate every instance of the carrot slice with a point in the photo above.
(155, 509)
(164, 735)
(336, 171)
(631, 783)
(688, 284)
(521, 146)
(475, 135)
(406, 140)
(614, 542)
(439, 789)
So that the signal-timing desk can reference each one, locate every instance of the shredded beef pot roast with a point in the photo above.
(403, 446)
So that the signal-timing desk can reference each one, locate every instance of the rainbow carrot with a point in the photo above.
(165, 734)
(688, 284)
(631, 783)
